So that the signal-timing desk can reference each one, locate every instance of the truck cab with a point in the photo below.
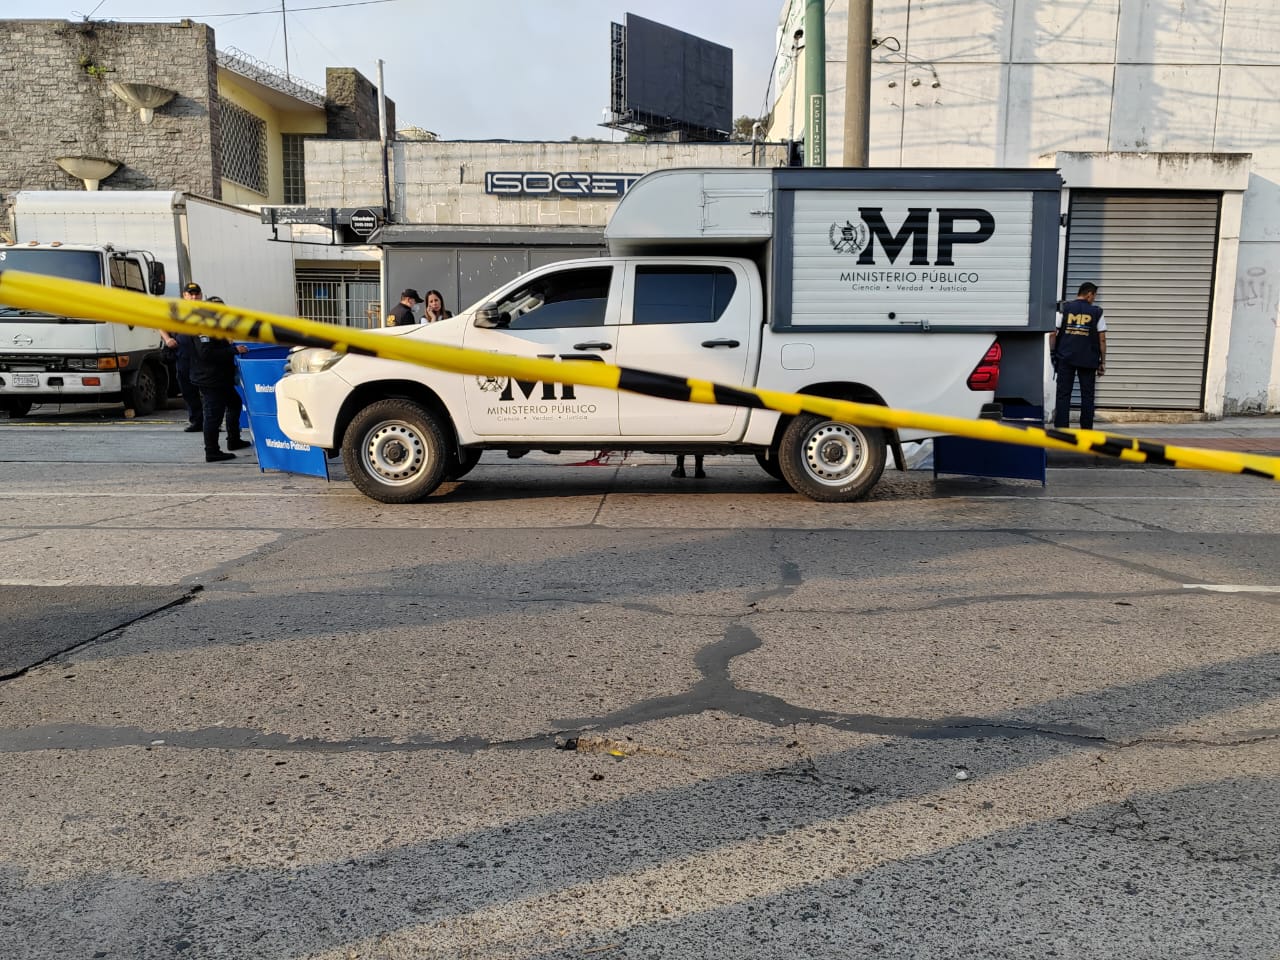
(63, 358)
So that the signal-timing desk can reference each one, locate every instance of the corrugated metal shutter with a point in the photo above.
(1152, 257)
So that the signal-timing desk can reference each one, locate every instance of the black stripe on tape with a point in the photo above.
(285, 336)
(1156, 452)
(1062, 435)
(732, 397)
(1110, 448)
(653, 384)
(1255, 472)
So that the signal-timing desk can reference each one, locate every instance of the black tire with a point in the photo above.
(462, 463)
(768, 461)
(831, 461)
(394, 452)
(145, 394)
(18, 408)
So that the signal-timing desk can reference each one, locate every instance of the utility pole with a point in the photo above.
(285, 17)
(857, 86)
(815, 84)
(385, 135)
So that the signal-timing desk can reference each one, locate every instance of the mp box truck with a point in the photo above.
(150, 241)
(929, 290)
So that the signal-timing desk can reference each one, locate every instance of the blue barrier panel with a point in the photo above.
(258, 376)
(984, 458)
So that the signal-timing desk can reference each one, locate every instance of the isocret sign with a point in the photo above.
(514, 184)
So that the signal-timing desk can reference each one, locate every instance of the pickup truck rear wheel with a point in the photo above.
(768, 461)
(394, 451)
(18, 408)
(829, 460)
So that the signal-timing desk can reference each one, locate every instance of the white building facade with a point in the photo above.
(1161, 116)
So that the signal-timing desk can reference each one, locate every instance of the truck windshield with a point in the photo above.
(85, 265)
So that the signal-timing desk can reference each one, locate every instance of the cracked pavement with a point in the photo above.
(564, 712)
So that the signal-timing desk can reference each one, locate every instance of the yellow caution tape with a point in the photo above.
(77, 299)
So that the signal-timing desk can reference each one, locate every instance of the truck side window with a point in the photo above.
(127, 273)
(682, 294)
(571, 298)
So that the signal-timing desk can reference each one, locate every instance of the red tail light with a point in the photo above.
(986, 375)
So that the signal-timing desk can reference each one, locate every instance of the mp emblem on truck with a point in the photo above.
(850, 238)
(860, 238)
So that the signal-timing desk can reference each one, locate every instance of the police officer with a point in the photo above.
(180, 344)
(213, 369)
(1079, 350)
(402, 313)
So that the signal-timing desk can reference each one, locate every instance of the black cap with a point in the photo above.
(412, 294)
(192, 288)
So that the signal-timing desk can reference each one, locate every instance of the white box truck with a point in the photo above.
(151, 241)
(930, 290)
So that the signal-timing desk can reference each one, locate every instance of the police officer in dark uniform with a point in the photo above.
(180, 344)
(213, 369)
(401, 314)
(1079, 350)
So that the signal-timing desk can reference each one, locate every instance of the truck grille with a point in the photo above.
(42, 360)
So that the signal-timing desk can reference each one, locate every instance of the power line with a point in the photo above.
(260, 13)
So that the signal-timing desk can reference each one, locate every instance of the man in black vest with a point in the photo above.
(213, 370)
(1079, 350)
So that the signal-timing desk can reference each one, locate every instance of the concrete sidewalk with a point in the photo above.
(1256, 434)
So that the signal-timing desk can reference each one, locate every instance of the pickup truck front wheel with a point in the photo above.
(394, 452)
(831, 461)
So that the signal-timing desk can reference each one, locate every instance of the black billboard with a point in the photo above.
(666, 79)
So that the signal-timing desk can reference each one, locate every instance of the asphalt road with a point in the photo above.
(593, 711)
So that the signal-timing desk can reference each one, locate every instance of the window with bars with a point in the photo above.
(343, 296)
(295, 189)
(244, 148)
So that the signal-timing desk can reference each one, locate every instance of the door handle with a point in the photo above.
(593, 345)
(721, 343)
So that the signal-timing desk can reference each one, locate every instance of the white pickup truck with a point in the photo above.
(930, 290)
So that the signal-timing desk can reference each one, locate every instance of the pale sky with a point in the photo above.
(465, 69)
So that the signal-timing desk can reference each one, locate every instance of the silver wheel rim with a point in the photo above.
(393, 452)
(834, 454)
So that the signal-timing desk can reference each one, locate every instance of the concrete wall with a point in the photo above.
(56, 100)
(443, 182)
(1001, 82)
(351, 103)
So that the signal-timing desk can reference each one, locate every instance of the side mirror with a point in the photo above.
(155, 278)
(489, 317)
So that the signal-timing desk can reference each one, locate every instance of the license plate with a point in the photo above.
(26, 380)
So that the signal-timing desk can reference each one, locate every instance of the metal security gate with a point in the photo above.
(1152, 257)
(344, 296)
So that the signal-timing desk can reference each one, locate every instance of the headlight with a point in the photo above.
(311, 360)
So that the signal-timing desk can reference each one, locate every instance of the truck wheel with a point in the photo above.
(18, 408)
(145, 393)
(394, 452)
(768, 461)
(461, 465)
(829, 460)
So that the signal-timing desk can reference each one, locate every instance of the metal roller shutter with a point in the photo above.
(1152, 257)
